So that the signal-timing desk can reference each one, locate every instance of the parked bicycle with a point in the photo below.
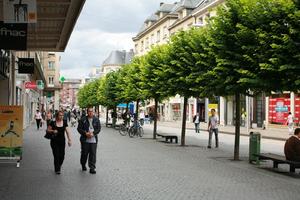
(124, 129)
(136, 130)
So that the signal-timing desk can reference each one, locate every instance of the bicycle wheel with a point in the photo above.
(141, 131)
(123, 130)
(131, 132)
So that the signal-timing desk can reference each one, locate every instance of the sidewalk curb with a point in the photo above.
(242, 134)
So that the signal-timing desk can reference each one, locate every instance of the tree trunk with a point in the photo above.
(127, 105)
(114, 117)
(237, 126)
(136, 111)
(155, 119)
(106, 115)
(183, 122)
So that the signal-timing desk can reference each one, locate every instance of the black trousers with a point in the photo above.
(38, 123)
(58, 150)
(88, 151)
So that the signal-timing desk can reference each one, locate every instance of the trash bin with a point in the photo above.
(254, 147)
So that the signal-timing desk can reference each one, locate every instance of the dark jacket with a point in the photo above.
(83, 128)
(292, 149)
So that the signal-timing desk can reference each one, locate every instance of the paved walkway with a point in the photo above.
(141, 168)
(273, 132)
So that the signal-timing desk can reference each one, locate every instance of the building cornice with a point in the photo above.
(180, 21)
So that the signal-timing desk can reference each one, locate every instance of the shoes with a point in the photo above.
(57, 172)
(209, 147)
(84, 168)
(92, 171)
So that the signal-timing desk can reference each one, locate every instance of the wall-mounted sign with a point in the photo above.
(13, 36)
(30, 85)
(19, 11)
(26, 65)
(39, 84)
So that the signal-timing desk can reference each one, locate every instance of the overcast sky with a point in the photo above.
(104, 26)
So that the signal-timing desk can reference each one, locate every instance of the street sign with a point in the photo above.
(30, 85)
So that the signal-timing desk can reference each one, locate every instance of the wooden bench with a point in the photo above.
(169, 138)
(277, 159)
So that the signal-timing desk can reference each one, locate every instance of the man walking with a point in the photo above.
(213, 128)
(89, 127)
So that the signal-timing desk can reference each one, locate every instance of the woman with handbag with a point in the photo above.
(57, 129)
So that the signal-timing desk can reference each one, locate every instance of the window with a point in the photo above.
(165, 32)
(142, 46)
(51, 80)
(147, 43)
(152, 39)
(158, 36)
(200, 20)
(51, 65)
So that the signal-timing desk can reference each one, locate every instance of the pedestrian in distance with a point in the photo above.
(89, 127)
(48, 118)
(58, 127)
(292, 147)
(213, 128)
(196, 121)
(290, 123)
(38, 119)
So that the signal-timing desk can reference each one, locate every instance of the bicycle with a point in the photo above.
(123, 129)
(136, 130)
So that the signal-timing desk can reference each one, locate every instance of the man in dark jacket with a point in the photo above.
(89, 127)
(292, 146)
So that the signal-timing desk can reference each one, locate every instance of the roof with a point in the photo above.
(165, 8)
(205, 3)
(152, 18)
(55, 22)
(188, 4)
(119, 58)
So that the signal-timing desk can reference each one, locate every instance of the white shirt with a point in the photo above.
(213, 121)
(91, 129)
(38, 115)
(197, 120)
(290, 119)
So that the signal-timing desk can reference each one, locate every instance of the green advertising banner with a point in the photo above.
(11, 132)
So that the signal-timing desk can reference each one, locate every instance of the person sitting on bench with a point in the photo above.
(292, 147)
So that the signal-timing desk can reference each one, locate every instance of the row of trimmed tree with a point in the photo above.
(250, 47)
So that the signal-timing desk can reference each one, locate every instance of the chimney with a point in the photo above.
(162, 3)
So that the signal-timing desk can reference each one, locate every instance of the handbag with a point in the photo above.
(49, 136)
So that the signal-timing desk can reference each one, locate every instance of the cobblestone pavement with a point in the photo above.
(142, 168)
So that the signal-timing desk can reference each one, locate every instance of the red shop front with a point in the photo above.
(279, 108)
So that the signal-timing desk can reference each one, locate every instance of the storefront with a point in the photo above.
(281, 104)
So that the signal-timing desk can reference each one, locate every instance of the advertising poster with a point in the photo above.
(11, 131)
(19, 11)
(212, 106)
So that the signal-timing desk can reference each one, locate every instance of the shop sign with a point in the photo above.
(30, 85)
(26, 65)
(13, 36)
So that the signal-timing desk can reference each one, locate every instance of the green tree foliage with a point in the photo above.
(153, 77)
(185, 67)
(87, 95)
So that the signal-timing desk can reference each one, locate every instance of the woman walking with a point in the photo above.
(58, 128)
